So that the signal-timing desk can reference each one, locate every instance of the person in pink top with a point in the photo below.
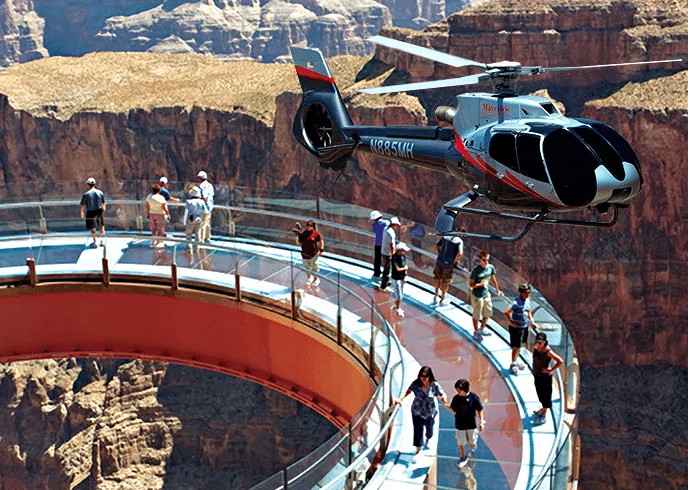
(157, 212)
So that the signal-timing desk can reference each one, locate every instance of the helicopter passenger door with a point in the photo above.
(530, 160)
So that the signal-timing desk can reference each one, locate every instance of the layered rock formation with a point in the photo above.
(251, 29)
(112, 424)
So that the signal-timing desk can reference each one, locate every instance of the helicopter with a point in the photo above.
(517, 152)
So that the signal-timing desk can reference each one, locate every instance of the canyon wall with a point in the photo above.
(114, 424)
(234, 29)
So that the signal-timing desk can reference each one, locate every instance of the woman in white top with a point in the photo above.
(158, 213)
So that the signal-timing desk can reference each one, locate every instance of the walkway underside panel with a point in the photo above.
(188, 327)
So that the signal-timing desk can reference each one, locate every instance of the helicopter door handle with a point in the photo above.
(500, 175)
(529, 184)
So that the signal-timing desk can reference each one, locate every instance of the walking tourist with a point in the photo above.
(480, 298)
(312, 247)
(208, 195)
(519, 316)
(423, 408)
(92, 209)
(465, 406)
(543, 355)
(157, 213)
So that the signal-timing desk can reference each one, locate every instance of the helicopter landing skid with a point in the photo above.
(445, 223)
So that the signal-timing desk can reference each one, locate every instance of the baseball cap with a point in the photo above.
(394, 221)
(402, 246)
(375, 214)
(202, 175)
(523, 287)
(91, 181)
(195, 192)
(541, 337)
(163, 180)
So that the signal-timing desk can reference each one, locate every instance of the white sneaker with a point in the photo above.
(309, 281)
(477, 337)
(400, 312)
(484, 332)
(316, 282)
(513, 369)
(445, 302)
(462, 463)
(520, 365)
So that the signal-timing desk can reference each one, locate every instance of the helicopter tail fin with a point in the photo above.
(322, 116)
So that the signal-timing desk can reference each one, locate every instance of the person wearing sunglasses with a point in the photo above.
(479, 296)
(424, 407)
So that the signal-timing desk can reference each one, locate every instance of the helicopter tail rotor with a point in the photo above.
(322, 115)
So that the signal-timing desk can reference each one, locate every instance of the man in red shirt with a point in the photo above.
(312, 246)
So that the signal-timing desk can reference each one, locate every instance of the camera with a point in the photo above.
(297, 228)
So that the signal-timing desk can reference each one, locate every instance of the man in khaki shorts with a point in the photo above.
(479, 295)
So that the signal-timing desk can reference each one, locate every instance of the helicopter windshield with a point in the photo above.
(521, 153)
(609, 157)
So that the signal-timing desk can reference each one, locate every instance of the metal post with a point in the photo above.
(106, 272)
(237, 282)
(175, 273)
(339, 311)
(32, 270)
(371, 360)
(285, 479)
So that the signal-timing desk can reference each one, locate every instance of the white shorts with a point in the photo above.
(469, 436)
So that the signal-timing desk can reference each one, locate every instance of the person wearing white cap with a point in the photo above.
(92, 207)
(208, 195)
(378, 225)
(194, 210)
(388, 248)
(399, 274)
(165, 192)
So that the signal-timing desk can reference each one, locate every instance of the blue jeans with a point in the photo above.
(420, 423)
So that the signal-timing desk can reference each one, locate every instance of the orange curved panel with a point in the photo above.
(189, 327)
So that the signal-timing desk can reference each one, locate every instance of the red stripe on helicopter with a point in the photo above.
(305, 72)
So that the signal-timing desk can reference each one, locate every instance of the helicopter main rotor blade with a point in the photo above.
(407, 87)
(427, 53)
(565, 68)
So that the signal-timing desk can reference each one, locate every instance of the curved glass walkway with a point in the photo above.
(253, 233)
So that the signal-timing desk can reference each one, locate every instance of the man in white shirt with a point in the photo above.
(388, 249)
(208, 195)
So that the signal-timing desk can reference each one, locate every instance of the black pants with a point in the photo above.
(420, 423)
(386, 264)
(543, 388)
(377, 270)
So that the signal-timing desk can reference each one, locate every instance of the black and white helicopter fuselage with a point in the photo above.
(518, 152)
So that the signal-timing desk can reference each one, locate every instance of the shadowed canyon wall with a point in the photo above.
(113, 424)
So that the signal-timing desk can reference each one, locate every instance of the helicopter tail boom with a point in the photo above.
(322, 118)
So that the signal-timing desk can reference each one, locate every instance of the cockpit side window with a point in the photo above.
(530, 156)
(608, 156)
(571, 165)
(503, 149)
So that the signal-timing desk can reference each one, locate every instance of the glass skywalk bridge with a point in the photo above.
(253, 258)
